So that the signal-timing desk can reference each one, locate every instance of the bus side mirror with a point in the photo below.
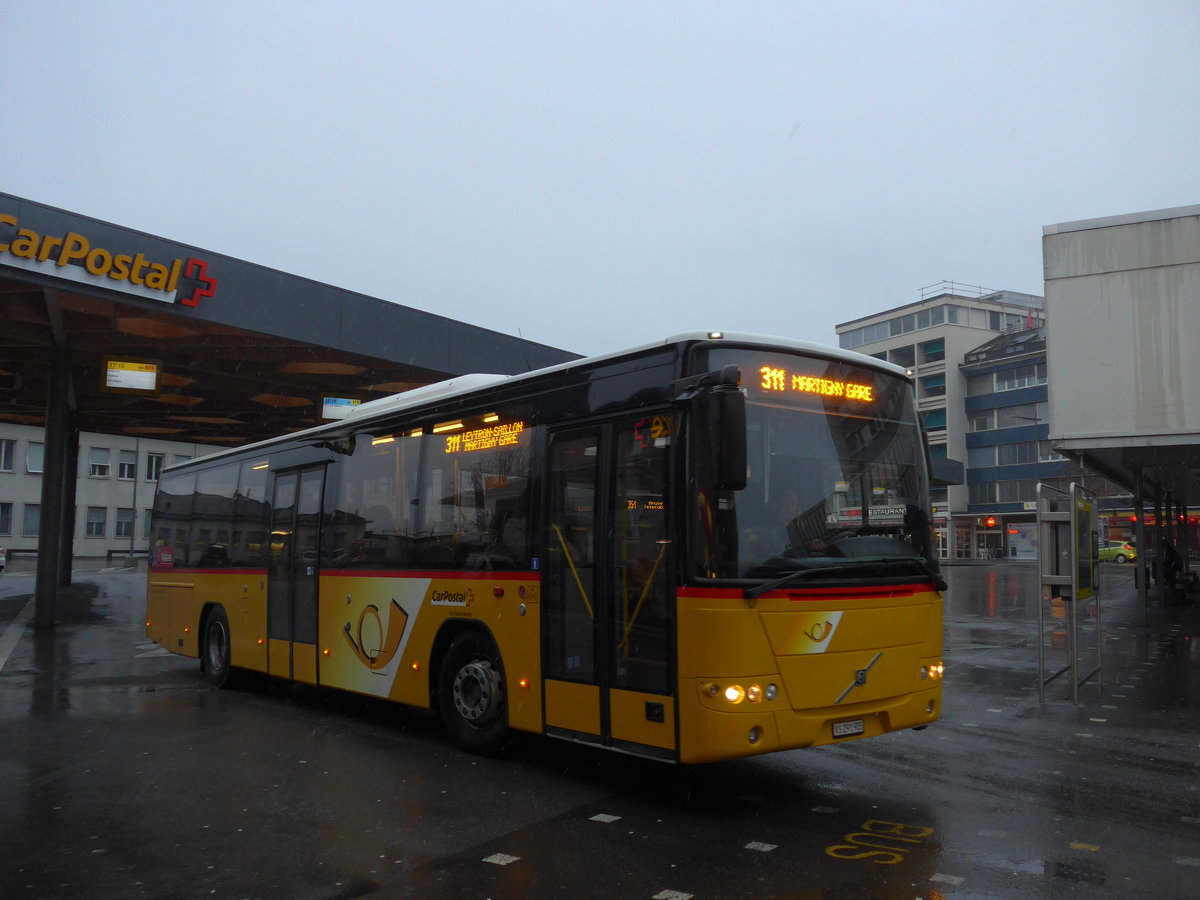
(730, 425)
(718, 411)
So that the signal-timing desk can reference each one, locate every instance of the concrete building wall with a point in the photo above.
(1123, 297)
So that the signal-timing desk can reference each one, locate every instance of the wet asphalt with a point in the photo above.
(123, 775)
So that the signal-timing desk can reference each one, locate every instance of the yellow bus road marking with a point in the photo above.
(881, 843)
(12, 634)
(1079, 845)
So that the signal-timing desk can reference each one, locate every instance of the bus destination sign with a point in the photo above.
(778, 380)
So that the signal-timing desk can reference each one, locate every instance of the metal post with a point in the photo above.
(66, 531)
(1139, 538)
(54, 476)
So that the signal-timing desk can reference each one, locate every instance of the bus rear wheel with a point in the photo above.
(215, 658)
(471, 694)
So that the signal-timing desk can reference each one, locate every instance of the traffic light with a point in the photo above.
(990, 521)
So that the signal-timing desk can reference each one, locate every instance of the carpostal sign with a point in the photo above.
(75, 257)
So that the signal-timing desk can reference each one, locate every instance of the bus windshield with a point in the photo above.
(836, 485)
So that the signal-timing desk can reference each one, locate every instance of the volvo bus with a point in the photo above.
(703, 548)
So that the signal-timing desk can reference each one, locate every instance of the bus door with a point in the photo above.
(607, 596)
(293, 572)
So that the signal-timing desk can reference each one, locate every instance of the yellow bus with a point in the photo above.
(703, 548)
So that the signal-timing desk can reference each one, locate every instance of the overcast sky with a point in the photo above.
(597, 175)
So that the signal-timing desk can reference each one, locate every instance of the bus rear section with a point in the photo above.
(794, 669)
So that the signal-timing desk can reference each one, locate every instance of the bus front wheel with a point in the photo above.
(216, 648)
(471, 694)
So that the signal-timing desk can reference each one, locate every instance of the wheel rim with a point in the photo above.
(217, 644)
(476, 692)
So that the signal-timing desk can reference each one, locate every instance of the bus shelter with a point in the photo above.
(111, 330)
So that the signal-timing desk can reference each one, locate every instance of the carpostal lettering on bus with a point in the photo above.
(75, 249)
(451, 598)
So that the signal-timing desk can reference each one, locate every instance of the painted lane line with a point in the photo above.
(13, 633)
(500, 859)
(947, 879)
(604, 817)
(761, 847)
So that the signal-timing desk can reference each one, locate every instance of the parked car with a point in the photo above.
(1118, 551)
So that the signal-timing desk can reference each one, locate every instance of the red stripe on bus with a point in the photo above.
(443, 575)
(877, 592)
(171, 570)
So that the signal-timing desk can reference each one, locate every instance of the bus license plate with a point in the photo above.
(848, 729)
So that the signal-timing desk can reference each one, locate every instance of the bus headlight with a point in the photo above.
(933, 672)
(735, 694)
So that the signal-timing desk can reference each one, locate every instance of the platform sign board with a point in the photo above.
(1084, 537)
(130, 376)
(334, 408)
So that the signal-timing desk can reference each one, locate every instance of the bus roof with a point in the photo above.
(462, 385)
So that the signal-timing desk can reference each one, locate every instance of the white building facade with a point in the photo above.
(116, 477)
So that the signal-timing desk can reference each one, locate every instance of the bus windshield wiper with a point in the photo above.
(921, 564)
(845, 566)
(752, 592)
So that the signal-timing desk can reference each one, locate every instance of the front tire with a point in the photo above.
(472, 696)
(215, 659)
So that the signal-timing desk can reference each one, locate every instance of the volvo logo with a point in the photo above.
(860, 678)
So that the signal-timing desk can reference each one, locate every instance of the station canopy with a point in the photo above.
(169, 341)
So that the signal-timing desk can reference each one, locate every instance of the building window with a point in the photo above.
(1024, 414)
(98, 458)
(934, 419)
(5, 518)
(979, 385)
(933, 386)
(8, 452)
(905, 357)
(35, 456)
(933, 351)
(97, 520)
(127, 467)
(903, 324)
(981, 421)
(1020, 377)
(927, 318)
(1018, 491)
(984, 492)
(124, 527)
(31, 520)
(154, 465)
(1016, 454)
(979, 457)
(1046, 453)
(146, 524)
